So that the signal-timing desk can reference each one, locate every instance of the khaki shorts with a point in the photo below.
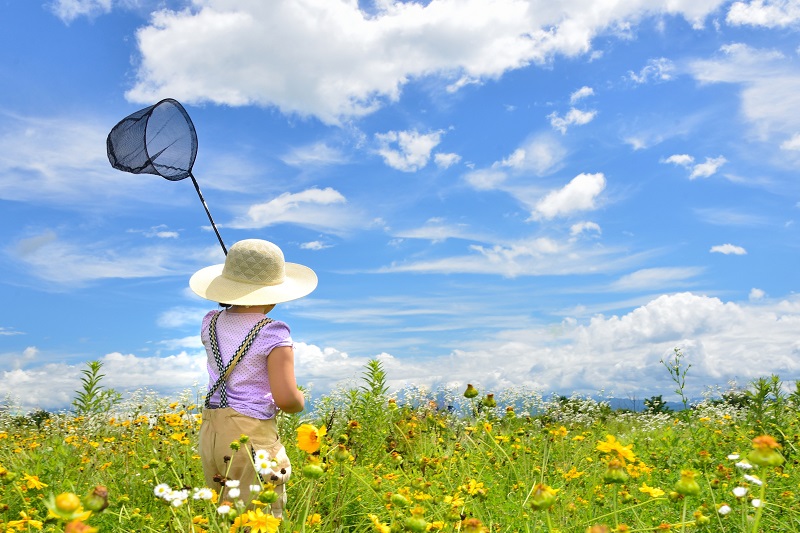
(221, 427)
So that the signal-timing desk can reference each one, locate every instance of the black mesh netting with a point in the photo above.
(159, 139)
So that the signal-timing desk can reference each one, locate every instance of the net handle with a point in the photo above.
(202, 200)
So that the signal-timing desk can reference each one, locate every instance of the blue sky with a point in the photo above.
(511, 193)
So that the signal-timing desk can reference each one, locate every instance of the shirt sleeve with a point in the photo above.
(274, 334)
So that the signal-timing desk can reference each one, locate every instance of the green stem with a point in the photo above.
(683, 514)
(760, 508)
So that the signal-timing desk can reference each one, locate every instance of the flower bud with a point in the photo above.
(67, 503)
(542, 497)
(97, 500)
(686, 485)
(471, 391)
(341, 454)
(399, 500)
(313, 470)
(268, 496)
(489, 401)
(765, 452)
(615, 473)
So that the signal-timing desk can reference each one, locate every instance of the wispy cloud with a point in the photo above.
(321, 209)
(656, 70)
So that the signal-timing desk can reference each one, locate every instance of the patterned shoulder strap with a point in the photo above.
(225, 370)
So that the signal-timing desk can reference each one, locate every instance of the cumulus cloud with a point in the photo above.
(620, 354)
(683, 160)
(700, 170)
(566, 356)
(580, 194)
(314, 245)
(408, 151)
(574, 117)
(331, 60)
(443, 160)
(728, 249)
(708, 168)
(323, 209)
(765, 13)
(584, 227)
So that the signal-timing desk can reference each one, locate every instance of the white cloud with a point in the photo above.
(683, 160)
(181, 317)
(541, 155)
(770, 86)
(766, 13)
(485, 179)
(707, 168)
(791, 144)
(584, 227)
(69, 10)
(580, 194)
(48, 257)
(314, 245)
(329, 59)
(436, 230)
(7, 332)
(711, 333)
(413, 149)
(728, 249)
(317, 154)
(537, 256)
(655, 278)
(580, 94)
(323, 209)
(700, 170)
(573, 117)
(443, 160)
(656, 70)
(756, 294)
(63, 161)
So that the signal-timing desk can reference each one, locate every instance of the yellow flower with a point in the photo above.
(33, 482)
(313, 520)
(379, 526)
(258, 522)
(572, 474)
(309, 438)
(611, 445)
(653, 492)
(25, 523)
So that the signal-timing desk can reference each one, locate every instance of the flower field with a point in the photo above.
(452, 461)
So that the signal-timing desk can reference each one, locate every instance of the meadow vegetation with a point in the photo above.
(365, 460)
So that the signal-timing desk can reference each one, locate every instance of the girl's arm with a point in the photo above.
(280, 365)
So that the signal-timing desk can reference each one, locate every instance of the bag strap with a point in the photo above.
(225, 370)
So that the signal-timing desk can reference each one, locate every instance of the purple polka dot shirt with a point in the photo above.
(248, 385)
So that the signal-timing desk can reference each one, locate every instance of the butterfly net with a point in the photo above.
(159, 139)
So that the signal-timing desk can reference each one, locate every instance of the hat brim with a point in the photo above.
(209, 283)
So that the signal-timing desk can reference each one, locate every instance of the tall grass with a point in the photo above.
(418, 460)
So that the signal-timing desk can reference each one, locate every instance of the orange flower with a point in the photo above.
(309, 438)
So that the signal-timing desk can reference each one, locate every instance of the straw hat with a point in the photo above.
(254, 273)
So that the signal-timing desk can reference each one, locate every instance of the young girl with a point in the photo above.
(250, 363)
